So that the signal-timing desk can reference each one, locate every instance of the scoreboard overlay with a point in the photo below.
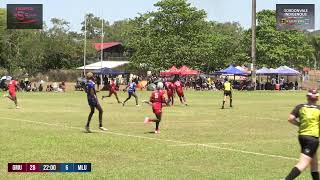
(49, 167)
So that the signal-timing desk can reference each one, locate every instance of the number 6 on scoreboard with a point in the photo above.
(67, 168)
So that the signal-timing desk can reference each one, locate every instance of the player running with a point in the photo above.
(179, 89)
(132, 91)
(112, 90)
(227, 91)
(93, 102)
(157, 99)
(12, 87)
(170, 91)
(306, 117)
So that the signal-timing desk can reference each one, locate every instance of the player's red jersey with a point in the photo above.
(12, 87)
(157, 98)
(179, 88)
(113, 86)
(170, 88)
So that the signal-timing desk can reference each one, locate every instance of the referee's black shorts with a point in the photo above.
(228, 93)
(309, 145)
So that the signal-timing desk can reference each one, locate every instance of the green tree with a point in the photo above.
(275, 48)
(94, 27)
(174, 35)
(314, 39)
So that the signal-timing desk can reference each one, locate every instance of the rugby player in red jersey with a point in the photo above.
(12, 87)
(112, 90)
(170, 91)
(157, 99)
(179, 89)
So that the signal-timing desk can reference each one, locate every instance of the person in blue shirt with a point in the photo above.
(93, 102)
(132, 91)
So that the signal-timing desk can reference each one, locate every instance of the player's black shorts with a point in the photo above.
(309, 145)
(228, 93)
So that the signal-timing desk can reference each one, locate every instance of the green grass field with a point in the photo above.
(253, 140)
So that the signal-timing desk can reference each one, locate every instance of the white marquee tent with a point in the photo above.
(105, 64)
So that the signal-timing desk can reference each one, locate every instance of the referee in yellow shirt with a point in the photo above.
(227, 91)
(306, 117)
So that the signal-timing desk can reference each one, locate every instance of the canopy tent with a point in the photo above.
(265, 71)
(286, 71)
(184, 71)
(232, 70)
(282, 70)
(106, 71)
(105, 64)
(6, 78)
(172, 71)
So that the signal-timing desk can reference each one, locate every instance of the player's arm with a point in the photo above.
(164, 101)
(125, 89)
(293, 120)
(293, 116)
(151, 100)
(18, 86)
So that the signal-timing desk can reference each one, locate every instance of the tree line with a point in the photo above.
(175, 34)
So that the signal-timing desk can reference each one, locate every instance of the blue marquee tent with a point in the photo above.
(232, 70)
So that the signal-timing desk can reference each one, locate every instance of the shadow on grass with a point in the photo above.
(150, 132)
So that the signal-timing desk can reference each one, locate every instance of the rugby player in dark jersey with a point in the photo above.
(227, 91)
(93, 102)
(306, 117)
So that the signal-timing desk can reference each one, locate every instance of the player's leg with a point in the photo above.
(9, 97)
(230, 99)
(224, 100)
(158, 120)
(116, 95)
(303, 163)
(129, 97)
(180, 98)
(136, 97)
(314, 167)
(99, 108)
(309, 147)
(172, 100)
(13, 97)
(89, 118)
(184, 100)
(110, 93)
(15, 100)
(169, 101)
(107, 96)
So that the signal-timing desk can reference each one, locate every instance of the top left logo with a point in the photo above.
(24, 16)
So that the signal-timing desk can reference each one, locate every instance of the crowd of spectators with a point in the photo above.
(199, 83)
(209, 83)
(28, 86)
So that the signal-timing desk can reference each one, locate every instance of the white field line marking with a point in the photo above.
(192, 144)
(176, 145)
(219, 143)
(158, 139)
(192, 122)
(264, 118)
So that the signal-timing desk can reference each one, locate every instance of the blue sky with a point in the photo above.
(113, 10)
